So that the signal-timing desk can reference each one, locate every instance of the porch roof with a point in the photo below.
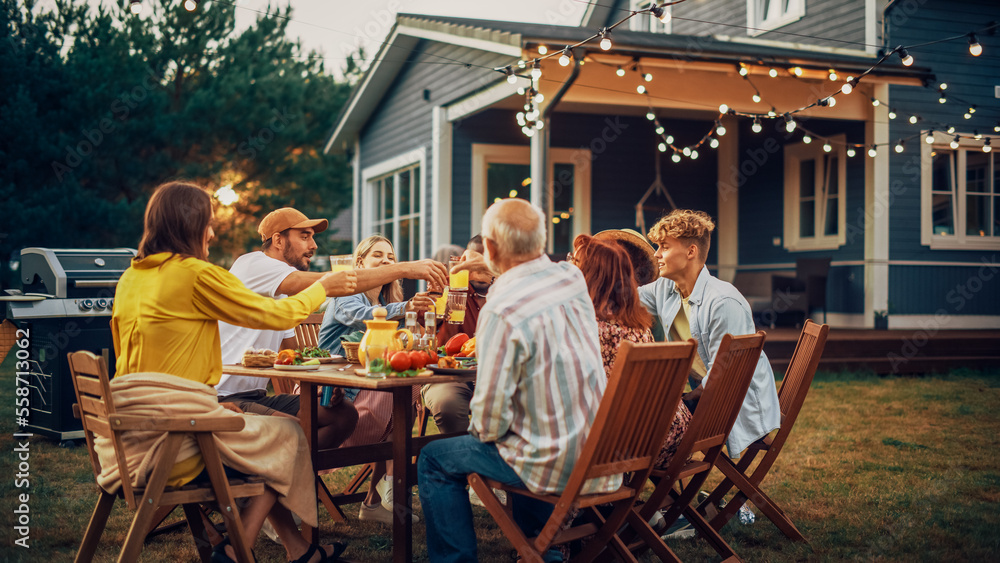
(516, 39)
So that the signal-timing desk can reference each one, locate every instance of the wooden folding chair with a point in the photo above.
(792, 394)
(632, 421)
(99, 418)
(720, 403)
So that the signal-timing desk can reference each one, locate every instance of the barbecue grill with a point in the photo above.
(65, 306)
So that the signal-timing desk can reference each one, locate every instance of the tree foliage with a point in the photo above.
(100, 106)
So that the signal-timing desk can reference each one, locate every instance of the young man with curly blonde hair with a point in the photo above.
(691, 303)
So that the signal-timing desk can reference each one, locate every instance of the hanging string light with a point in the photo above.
(954, 142)
(899, 146)
(536, 70)
(564, 58)
(827, 147)
(851, 152)
(986, 145)
(135, 6)
(848, 86)
(904, 56)
(773, 73)
(190, 5)
(873, 151)
(720, 130)
(875, 103)
(605, 40)
(789, 123)
(833, 75)
(660, 13)
(756, 127)
(620, 71)
(929, 139)
(543, 50)
(975, 49)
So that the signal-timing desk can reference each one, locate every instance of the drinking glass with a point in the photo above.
(342, 263)
(375, 351)
(458, 280)
(456, 306)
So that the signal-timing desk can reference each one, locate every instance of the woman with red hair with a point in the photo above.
(620, 316)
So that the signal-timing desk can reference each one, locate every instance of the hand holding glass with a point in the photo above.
(457, 280)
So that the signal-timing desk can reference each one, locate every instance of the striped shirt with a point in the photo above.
(540, 377)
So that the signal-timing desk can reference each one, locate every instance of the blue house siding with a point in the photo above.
(828, 23)
(620, 173)
(402, 122)
(951, 290)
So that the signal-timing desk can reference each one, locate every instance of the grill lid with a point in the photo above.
(65, 273)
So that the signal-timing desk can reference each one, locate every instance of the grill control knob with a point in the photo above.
(86, 305)
(102, 303)
(111, 303)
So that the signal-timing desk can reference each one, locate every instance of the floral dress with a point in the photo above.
(612, 334)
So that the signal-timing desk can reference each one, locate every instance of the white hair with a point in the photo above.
(515, 238)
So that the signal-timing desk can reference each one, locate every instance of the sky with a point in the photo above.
(338, 27)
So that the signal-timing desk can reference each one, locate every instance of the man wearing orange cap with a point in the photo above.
(278, 269)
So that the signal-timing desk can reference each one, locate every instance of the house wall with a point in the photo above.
(402, 121)
(842, 21)
(761, 200)
(926, 289)
(622, 165)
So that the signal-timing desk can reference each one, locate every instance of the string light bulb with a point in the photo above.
(876, 103)
(539, 98)
(662, 147)
(892, 113)
(190, 5)
(929, 139)
(756, 127)
(650, 115)
(660, 13)
(904, 56)
(807, 139)
(789, 123)
(996, 128)
(675, 157)
(714, 143)
(536, 70)
(773, 73)
(833, 75)
(899, 146)
(606, 40)
(797, 71)
(954, 142)
(851, 152)
(135, 6)
(660, 129)
(564, 59)
(942, 97)
(694, 154)
(720, 129)
(951, 129)
(669, 139)
(848, 86)
(914, 119)
(647, 77)
(756, 98)
(943, 86)
(687, 151)
(620, 71)
(873, 151)
(977, 135)
(986, 143)
(511, 77)
(744, 70)
(975, 49)
(522, 64)
(543, 50)
(723, 108)
(641, 89)
(827, 147)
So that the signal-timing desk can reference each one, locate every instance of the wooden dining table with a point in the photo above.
(401, 449)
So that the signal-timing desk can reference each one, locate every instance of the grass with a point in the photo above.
(877, 469)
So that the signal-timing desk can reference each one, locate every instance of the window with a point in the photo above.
(960, 192)
(396, 210)
(502, 171)
(765, 15)
(646, 22)
(815, 202)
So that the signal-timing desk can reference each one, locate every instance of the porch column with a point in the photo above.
(440, 188)
(728, 200)
(540, 168)
(876, 211)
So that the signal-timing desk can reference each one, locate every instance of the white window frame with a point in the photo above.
(960, 240)
(794, 155)
(413, 160)
(646, 22)
(485, 154)
(759, 22)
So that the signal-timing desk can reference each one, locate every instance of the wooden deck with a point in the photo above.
(897, 352)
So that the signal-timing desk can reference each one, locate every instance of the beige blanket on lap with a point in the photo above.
(272, 447)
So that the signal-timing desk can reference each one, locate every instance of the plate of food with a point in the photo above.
(294, 367)
(315, 352)
(448, 365)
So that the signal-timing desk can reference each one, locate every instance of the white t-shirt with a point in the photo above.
(261, 274)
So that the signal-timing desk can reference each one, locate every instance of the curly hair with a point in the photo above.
(686, 225)
(610, 282)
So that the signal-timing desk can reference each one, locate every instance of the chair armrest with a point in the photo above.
(176, 424)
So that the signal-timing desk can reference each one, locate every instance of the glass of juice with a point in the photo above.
(342, 263)
(441, 304)
(458, 280)
(456, 306)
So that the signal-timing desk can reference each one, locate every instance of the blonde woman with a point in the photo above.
(348, 314)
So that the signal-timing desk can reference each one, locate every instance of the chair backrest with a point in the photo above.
(93, 398)
(636, 411)
(801, 369)
(307, 333)
(720, 403)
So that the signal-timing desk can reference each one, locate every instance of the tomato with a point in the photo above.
(454, 344)
(286, 361)
(418, 359)
(432, 357)
(400, 361)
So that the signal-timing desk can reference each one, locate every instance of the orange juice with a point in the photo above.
(456, 316)
(441, 303)
(342, 268)
(459, 280)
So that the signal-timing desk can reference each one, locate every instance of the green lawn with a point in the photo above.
(878, 469)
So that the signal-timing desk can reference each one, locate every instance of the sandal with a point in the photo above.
(338, 548)
(219, 554)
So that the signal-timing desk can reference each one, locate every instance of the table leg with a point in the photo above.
(307, 418)
(402, 424)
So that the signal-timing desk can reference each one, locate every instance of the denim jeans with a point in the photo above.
(442, 470)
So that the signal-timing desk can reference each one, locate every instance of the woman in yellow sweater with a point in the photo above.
(165, 320)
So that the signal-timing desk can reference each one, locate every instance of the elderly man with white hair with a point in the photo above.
(538, 387)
